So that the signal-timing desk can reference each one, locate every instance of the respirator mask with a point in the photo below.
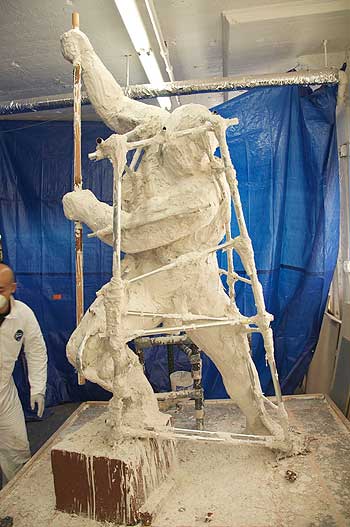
(3, 301)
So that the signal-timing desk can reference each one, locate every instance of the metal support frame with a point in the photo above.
(194, 356)
(193, 353)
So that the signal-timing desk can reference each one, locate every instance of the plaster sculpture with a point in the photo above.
(175, 209)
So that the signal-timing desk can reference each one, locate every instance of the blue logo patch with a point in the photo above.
(18, 335)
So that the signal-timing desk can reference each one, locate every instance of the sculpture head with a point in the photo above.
(7, 286)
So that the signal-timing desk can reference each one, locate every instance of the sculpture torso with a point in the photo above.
(183, 185)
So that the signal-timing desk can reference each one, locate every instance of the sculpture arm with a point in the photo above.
(82, 205)
(166, 219)
(158, 222)
(119, 112)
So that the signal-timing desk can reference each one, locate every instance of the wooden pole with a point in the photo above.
(78, 228)
(75, 20)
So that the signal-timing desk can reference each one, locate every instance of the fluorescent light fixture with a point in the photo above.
(134, 25)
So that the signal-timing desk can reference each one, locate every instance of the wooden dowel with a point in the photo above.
(77, 185)
(75, 20)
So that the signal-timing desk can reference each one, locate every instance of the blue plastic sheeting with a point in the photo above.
(285, 153)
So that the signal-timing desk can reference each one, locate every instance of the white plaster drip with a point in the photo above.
(88, 475)
(93, 490)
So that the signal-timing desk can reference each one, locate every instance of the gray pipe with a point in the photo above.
(166, 89)
(147, 342)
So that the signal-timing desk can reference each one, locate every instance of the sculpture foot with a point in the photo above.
(264, 425)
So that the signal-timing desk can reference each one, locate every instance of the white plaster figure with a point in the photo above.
(176, 208)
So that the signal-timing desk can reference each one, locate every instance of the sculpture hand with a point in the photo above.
(73, 44)
(39, 400)
(77, 203)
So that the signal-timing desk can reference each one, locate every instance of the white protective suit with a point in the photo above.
(20, 328)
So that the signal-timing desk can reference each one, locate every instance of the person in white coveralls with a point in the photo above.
(18, 327)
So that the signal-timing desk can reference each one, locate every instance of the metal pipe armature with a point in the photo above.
(193, 353)
(147, 342)
(181, 394)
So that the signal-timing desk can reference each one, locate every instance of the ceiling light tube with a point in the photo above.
(163, 46)
(134, 25)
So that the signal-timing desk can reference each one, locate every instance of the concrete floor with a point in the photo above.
(40, 431)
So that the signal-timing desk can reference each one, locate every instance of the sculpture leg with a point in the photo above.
(229, 351)
(228, 348)
(90, 346)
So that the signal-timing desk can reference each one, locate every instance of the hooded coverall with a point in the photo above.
(19, 328)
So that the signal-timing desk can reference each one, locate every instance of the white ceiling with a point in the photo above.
(205, 38)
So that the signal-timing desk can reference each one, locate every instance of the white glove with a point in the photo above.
(39, 399)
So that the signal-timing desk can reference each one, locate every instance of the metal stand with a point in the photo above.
(193, 353)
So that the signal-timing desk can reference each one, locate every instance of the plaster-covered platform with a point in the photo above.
(224, 485)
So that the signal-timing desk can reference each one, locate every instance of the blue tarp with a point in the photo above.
(285, 153)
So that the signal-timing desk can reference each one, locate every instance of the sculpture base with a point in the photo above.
(109, 482)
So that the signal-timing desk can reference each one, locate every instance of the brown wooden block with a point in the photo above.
(109, 484)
